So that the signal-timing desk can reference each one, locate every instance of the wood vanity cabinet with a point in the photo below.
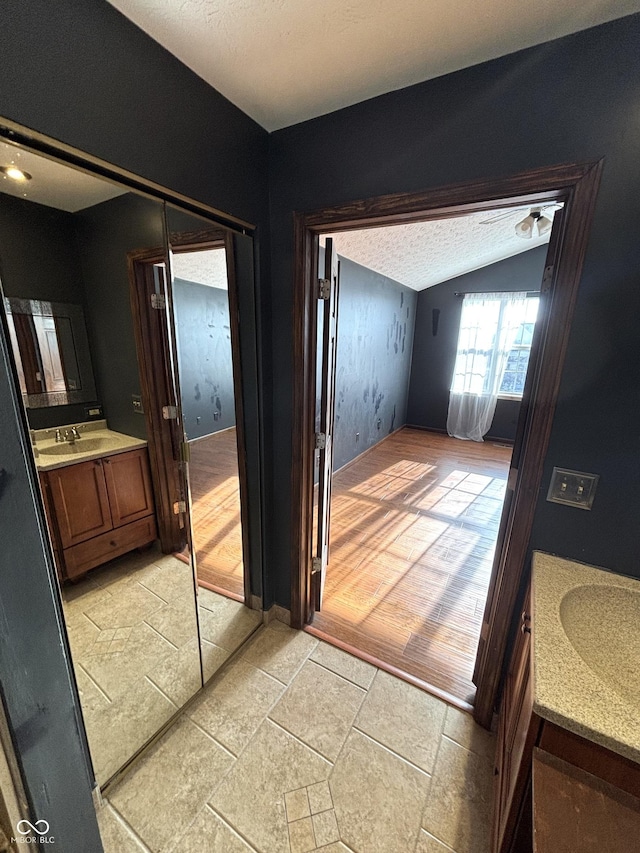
(517, 732)
(547, 779)
(98, 510)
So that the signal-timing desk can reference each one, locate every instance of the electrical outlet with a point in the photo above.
(136, 400)
(572, 488)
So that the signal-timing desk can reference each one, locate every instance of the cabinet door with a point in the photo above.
(576, 812)
(517, 734)
(129, 486)
(79, 495)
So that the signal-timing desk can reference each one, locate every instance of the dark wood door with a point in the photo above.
(129, 486)
(324, 438)
(151, 305)
(79, 495)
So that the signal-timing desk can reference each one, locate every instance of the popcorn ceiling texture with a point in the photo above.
(422, 254)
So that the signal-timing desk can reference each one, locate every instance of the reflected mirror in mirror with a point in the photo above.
(207, 356)
(51, 350)
(130, 610)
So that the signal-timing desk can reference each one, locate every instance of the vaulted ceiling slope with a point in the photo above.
(422, 254)
(286, 61)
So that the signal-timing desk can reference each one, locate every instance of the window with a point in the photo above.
(515, 371)
(494, 343)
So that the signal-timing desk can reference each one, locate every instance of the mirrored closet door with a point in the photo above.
(91, 307)
(209, 365)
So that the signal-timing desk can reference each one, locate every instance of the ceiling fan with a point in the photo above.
(543, 209)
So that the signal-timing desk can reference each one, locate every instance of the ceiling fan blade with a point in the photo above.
(504, 215)
(544, 209)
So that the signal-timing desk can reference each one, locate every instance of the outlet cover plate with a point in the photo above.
(572, 488)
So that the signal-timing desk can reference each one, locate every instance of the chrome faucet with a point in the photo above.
(71, 435)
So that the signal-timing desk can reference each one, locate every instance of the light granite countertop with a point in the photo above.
(96, 441)
(586, 652)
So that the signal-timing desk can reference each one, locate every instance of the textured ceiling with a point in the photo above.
(285, 61)
(207, 267)
(426, 253)
(53, 184)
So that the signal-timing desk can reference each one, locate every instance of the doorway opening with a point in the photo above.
(572, 189)
(415, 511)
(196, 364)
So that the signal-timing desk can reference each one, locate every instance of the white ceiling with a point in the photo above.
(207, 267)
(285, 61)
(426, 253)
(52, 183)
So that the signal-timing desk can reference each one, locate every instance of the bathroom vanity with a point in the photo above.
(567, 773)
(97, 494)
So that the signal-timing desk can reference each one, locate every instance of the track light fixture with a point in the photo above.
(534, 223)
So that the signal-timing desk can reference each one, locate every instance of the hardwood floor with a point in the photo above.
(413, 530)
(215, 498)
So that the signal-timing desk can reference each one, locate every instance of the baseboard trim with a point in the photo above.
(493, 439)
(209, 434)
(368, 450)
(392, 670)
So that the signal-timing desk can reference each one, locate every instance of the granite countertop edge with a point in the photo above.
(49, 463)
(566, 691)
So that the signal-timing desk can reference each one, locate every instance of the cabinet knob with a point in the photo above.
(113, 543)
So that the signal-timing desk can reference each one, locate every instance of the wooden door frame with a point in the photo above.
(153, 361)
(574, 184)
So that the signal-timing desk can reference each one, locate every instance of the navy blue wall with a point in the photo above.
(204, 356)
(574, 99)
(106, 233)
(39, 260)
(434, 357)
(375, 337)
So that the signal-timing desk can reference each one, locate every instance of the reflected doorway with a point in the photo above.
(205, 361)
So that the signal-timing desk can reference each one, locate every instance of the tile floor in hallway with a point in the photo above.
(296, 746)
(134, 642)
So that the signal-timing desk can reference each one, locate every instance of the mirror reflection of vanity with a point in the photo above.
(89, 297)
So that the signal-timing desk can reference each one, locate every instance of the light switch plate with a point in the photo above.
(572, 488)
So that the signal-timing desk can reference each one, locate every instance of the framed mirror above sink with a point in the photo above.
(87, 294)
(51, 349)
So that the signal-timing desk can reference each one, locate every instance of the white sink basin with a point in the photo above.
(80, 446)
(602, 624)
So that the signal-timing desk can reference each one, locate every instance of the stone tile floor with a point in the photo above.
(134, 641)
(296, 747)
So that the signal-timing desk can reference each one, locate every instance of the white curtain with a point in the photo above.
(488, 327)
